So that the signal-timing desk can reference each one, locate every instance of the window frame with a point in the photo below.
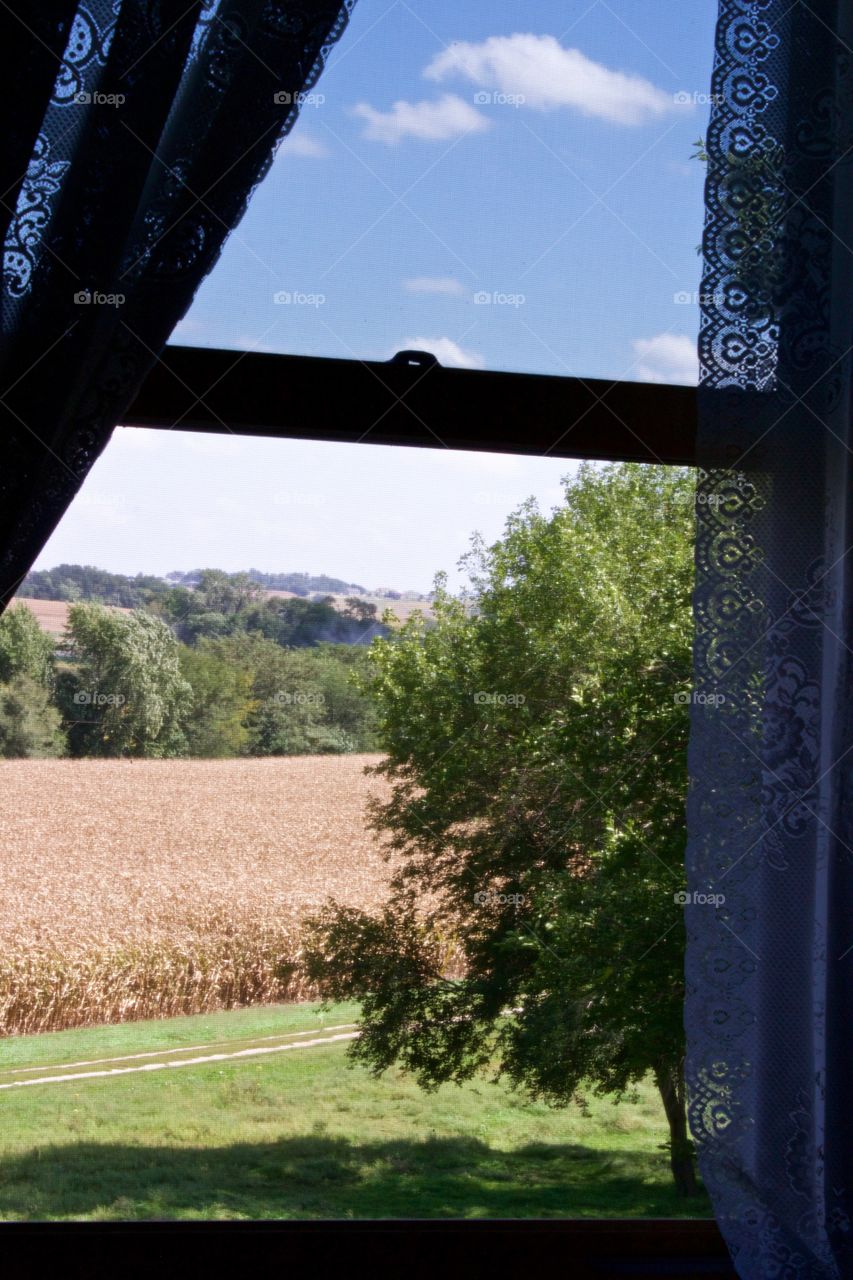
(410, 401)
(414, 401)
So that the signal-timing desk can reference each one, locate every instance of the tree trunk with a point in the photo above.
(670, 1082)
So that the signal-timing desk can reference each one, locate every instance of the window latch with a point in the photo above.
(415, 359)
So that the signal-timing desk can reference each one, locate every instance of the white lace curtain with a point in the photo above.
(770, 970)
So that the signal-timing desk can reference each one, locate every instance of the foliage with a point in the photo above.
(79, 582)
(125, 695)
(230, 604)
(215, 724)
(537, 755)
(303, 701)
(30, 725)
(301, 584)
(25, 650)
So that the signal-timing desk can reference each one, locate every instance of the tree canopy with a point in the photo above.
(536, 751)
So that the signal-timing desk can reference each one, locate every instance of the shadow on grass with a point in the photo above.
(318, 1176)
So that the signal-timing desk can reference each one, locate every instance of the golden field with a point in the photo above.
(151, 888)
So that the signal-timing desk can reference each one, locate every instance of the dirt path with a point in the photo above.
(165, 1059)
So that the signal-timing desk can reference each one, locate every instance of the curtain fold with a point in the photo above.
(769, 1011)
(141, 131)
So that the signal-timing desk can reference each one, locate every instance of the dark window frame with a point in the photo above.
(414, 401)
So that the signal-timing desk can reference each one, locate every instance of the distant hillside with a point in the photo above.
(299, 584)
(70, 582)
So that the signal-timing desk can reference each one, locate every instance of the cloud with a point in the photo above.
(302, 144)
(668, 357)
(545, 75)
(435, 284)
(446, 117)
(446, 351)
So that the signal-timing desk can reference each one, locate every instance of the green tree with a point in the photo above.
(536, 742)
(362, 611)
(30, 724)
(215, 724)
(124, 693)
(304, 701)
(24, 648)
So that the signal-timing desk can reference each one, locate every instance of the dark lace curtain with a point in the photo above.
(770, 969)
(136, 133)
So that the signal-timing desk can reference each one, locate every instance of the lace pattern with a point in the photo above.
(769, 980)
(162, 120)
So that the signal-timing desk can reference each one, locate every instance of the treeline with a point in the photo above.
(125, 685)
(73, 582)
(301, 584)
(228, 604)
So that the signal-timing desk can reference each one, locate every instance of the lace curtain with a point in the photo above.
(140, 131)
(769, 1012)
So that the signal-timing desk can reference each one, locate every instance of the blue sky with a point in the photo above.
(508, 185)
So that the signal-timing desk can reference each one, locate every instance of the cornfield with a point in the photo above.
(143, 889)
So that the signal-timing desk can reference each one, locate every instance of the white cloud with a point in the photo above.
(302, 144)
(435, 284)
(545, 75)
(446, 351)
(668, 357)
(447, 117)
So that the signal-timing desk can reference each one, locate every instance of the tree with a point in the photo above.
(217, 605)
(30, 725)
(536, 753)
(304, 701)
(361, 611)
(125, 694)
(74, 582)
(24, 648)
(215, 723)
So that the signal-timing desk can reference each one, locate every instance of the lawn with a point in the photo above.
(304, 1135)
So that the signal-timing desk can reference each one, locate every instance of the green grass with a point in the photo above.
(303, 1135)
